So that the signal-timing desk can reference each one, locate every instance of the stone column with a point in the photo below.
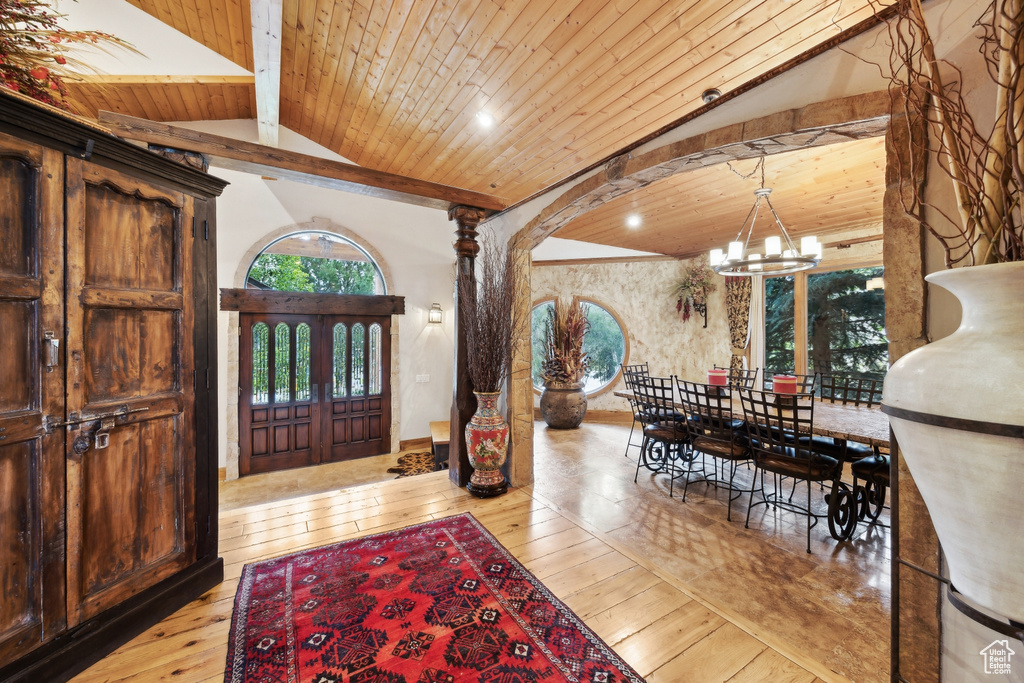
(466, 219)
(916, 597)
(520, 386)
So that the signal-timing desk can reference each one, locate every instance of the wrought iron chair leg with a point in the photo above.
(746, 525)
(809, 513)
(629, 441)
(642, 457)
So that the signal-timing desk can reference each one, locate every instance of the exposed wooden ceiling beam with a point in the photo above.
(266, 54)
(248, 157)
(150, 79)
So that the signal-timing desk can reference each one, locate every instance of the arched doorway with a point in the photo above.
(314, 371)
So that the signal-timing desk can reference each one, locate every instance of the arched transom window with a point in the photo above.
(314, 261)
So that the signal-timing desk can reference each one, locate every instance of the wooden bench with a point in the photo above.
(440, 433)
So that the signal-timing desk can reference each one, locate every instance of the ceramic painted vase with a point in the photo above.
(563, 406)
(957, 409)
(487, 444)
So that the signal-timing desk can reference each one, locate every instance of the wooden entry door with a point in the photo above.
(131, 479)
(312, 389)
(357, 419)
(279, 422)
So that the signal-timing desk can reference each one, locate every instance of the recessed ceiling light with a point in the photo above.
(710, 95)
(633, 221)
(485, 119)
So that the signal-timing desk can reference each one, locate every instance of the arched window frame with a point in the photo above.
(625, 338)
(342, 238)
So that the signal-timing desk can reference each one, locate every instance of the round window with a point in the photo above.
(605, 345)
(313, 261)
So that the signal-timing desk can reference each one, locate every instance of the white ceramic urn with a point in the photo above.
(971, 481)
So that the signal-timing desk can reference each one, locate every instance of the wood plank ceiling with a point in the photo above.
(826, 191)
(396, 85)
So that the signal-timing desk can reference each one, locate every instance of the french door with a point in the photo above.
(313, 389)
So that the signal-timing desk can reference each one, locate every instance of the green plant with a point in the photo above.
(694, 288)
(34, 50)
(564, 359)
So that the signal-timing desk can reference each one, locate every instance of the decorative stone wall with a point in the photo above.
(916, 596)
(639, 294)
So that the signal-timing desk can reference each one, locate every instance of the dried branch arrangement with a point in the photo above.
(495, 323)
(566, 328)
(34, 50)
(986, 171)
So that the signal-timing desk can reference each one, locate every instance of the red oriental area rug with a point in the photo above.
(432, 603)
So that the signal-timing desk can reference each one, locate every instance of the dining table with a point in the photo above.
(857, 423)
(842, 422)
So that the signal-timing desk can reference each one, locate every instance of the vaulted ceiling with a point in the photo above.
(396, 85)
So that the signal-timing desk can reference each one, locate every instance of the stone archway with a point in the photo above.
(818, 124)
(238, 281)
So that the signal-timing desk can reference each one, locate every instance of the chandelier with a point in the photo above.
(780, 255)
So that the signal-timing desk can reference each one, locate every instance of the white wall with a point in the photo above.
(415, 244)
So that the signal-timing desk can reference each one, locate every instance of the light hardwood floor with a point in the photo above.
(680, 593)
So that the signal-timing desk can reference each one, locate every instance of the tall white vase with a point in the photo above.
(971, 481)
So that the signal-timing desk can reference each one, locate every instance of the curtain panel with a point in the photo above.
(737, 303)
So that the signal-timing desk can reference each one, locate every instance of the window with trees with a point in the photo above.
(318, 262)
(605, 345)
(844, 330)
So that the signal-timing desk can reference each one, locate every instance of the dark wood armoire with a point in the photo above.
(108, 446)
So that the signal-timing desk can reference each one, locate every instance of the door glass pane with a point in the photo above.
(302, 362)
(358, 359)
(375, 368)
(340, 385)
(779, 332)
(260, 374)
(282, 366)
(846, 324)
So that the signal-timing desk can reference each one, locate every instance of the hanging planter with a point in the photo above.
(692, 291)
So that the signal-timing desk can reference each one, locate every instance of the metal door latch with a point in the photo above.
(75, 419)
(51, 351)
(102, 435)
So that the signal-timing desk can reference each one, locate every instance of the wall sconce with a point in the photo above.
(435, 315)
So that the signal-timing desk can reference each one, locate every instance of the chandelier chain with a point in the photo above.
(748, 176)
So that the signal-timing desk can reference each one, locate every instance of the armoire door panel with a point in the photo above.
(32, 562)
(130, 347)
(19, 355)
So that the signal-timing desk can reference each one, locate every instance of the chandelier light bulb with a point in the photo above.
(735, 251)
(773, 246)
(755, 261)
(716, 258)
(808, 245)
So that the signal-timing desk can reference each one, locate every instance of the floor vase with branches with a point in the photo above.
(955, 404)
(495, 327)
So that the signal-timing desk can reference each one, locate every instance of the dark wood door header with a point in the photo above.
(266, 301)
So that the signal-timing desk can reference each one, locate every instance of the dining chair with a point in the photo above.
(629, 373)
(740, 379)
(867, 463)
(769, 418)
(665, 442)
(715, 432)
(856, 391)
